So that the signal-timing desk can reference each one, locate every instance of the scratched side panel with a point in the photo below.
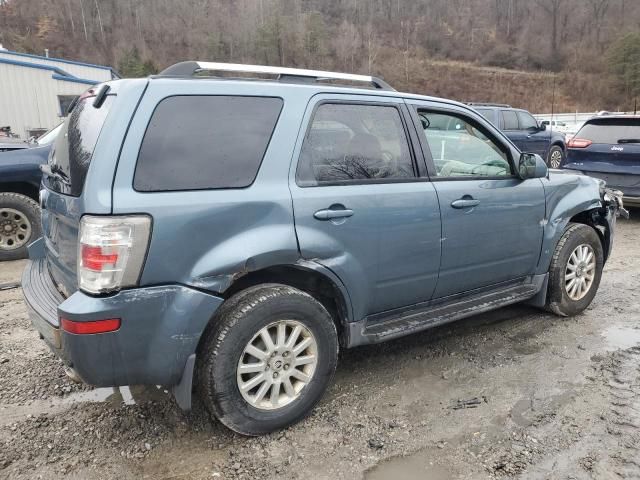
(205, 238)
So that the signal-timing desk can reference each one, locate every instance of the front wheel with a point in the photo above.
(575, 272)
(267, 359)
(555, 157)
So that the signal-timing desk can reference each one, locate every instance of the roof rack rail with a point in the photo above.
(482, 104)
(283, 74)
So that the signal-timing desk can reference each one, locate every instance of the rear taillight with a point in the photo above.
(111, 252)
(578, 143)
(90, 328)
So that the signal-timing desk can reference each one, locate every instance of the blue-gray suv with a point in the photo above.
(231, 234)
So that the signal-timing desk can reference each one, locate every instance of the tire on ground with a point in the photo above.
(238, 320)
(30, 209)
(555, 148)
(558, 299)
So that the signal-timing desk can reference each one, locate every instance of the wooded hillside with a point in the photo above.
(511, 51)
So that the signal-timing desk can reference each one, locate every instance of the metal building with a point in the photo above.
(36, 91)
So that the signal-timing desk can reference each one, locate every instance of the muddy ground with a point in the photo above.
(551, 398)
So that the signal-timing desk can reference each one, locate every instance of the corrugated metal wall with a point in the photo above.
(29, 98)
(101, 74)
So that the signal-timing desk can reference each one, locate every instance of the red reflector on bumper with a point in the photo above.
(88, 328)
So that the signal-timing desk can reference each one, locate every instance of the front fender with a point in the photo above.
(566, 196)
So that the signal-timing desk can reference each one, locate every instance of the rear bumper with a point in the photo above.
(160, 329)
(627, 183)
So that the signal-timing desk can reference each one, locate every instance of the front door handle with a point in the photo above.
(465, 202)
(330, 214)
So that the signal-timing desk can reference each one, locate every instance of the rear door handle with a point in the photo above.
(465, 202)
(329, 214)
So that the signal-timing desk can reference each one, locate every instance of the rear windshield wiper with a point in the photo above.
(55, 172)
(629, 140)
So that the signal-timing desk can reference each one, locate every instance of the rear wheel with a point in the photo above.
(19, 225)
(555, 157)
(575, 270)
(267, 359)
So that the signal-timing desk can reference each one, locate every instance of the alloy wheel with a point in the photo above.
(556, 159)
(580, 272)
(277, 364)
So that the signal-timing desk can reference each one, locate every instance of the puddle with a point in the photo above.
(117, 395)
(526, 410)
(111, 397)
(412, 467)
(621, 337)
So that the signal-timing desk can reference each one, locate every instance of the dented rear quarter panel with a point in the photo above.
(209, 238)
(566, 195)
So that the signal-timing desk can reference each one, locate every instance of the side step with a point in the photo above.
(412, 321)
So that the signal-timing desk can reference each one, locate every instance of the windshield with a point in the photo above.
(612, 131)
(50, 136)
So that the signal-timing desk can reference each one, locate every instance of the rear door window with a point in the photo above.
(612, 131)
(205, 142)
(355, 143)
(510, 120)
(73, 148)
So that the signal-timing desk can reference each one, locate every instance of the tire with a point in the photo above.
(235, 326)
(19, 225)
(555, 157)
(559, 298)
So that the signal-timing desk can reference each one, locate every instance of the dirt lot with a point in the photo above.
(550, 398)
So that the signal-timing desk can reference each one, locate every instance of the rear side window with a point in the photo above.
(205, 142)
(488, 114)
(612, 131)
(354, 144)
(73, 149)
(510, 120)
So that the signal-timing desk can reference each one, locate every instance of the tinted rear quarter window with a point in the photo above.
(611, 131)
(205, 142)
(73, 148)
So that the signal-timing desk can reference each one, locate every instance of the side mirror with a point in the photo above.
(542, 127)
(531, 165)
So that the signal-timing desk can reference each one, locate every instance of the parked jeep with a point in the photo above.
(19, 185)
(248, 228)
(526, 132)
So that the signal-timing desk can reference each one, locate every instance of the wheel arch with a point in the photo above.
(591, 218)
(310, 277)
(24, 188)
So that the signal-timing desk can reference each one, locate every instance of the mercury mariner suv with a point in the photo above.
(228, 227)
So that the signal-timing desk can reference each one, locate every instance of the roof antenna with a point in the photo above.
(635, 107)
(553, 99)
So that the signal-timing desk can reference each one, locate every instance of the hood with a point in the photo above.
(35, 155)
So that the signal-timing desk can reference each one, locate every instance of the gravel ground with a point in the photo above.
(516, 393)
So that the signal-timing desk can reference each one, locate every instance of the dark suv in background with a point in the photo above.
(526, 132)
(608, 147)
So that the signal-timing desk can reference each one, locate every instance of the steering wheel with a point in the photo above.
(488, 162)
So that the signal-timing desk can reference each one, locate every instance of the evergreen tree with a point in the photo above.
(624, 60)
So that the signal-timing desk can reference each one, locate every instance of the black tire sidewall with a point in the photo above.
(225, 399)
(559, 300)
(30, 210)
